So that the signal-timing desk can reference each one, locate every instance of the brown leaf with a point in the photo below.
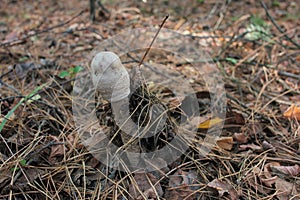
(266, 177)
(269, 181)
(252, 180)
(5, 177)
(252, 128)
(292, 112)
(11, 37)
(268, 169)
(233, 117)
(285, 190)
(147, 184)
(225, 143)
(266, 145)
(252, 146)
(181, 185)
(287, 170)
(222, 188)
(57, 149)
(240, 137)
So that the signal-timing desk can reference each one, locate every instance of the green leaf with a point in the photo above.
(64, 74)
(23, 59)
(23, 162)
(14, 169)
(256, 32)
(232, 60)
(34, 38)
(77, 69)
(276, 3)
(258, 21)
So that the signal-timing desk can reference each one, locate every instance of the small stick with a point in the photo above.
(148, 49)
(136, 74)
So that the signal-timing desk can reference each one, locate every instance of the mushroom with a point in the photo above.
(112, 81)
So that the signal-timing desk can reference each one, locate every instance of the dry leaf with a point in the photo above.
(252, 146)
(233, 117)
(287, 170)
(266, 145)
(292, 112)
(269, 181)
(240, 137)
(210, 122)
(5, 177)
(181, 185)
(56, 149)
(268, 168)
(225, 143)
(223, 188)
(252, 180)
(147, 184)
(266, 177)
(285, 190)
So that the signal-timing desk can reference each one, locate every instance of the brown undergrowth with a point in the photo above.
(257, 51)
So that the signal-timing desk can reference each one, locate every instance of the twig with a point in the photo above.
(155, 36)
(283, 73)
(16, 41)
(102, 7)
(10, 87)
(277, 26)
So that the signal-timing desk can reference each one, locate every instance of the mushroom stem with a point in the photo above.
(129, 131)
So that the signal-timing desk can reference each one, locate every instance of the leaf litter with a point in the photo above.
(257, 50)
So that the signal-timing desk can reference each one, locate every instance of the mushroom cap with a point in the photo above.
(110, 77)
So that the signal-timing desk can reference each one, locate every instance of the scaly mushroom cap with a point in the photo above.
(110, 77)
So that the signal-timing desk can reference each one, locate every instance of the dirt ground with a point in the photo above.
(255, 47)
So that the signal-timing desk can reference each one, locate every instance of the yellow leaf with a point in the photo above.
(210, 122)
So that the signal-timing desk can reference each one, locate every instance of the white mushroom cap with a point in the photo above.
(110, 77)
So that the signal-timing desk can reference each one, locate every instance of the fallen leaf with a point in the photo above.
(147, 184)
(287, 170)
(240, 137)
(210, 123)
(5, 177)
(252, 146)
(266, 177)
(292, 112)
(11, 37)
(285, 190)
(252, 180)
(223, 188)
(269, 181)
(225, 143)
(56, 149)
(252, 129)
(181, 185)
(233, 117)
(266, 145)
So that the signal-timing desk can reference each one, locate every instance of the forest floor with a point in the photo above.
(254, 56)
